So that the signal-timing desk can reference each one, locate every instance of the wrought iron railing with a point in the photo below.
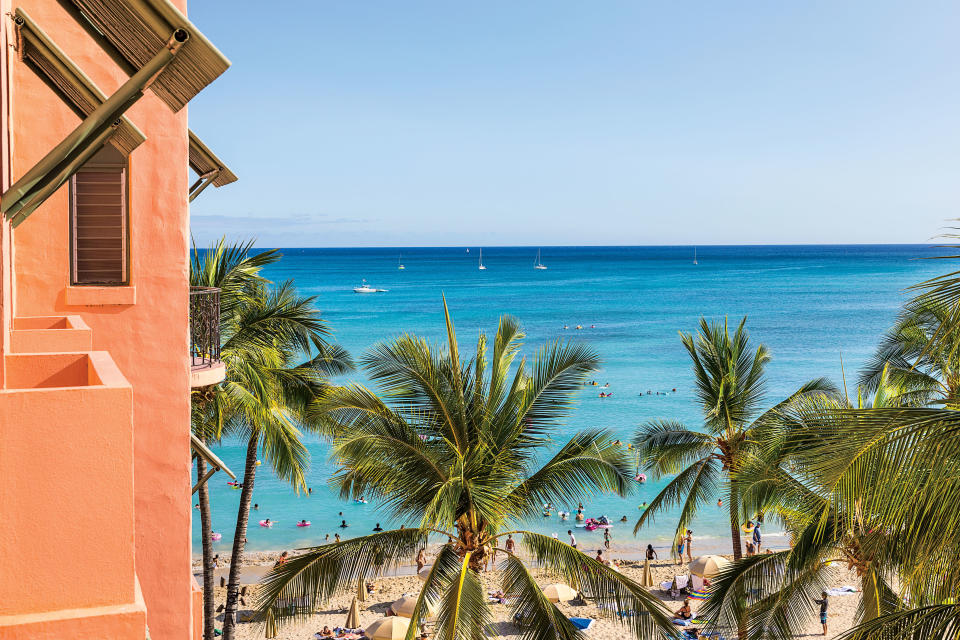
(204, 326)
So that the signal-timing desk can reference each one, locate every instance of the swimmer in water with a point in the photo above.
(256, 506)
(623, 519)
(719, 502)
(343, 524)
(643, 505)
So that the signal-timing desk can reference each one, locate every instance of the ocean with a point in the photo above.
(810, 305)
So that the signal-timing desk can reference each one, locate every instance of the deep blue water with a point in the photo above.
(808, 304)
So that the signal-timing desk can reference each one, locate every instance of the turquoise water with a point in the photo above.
(808, 304)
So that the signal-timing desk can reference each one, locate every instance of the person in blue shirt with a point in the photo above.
(756, 537)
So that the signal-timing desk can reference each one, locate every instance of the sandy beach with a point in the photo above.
(389, 589)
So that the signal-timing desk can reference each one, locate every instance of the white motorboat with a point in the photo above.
(365, 288)
(539, 265)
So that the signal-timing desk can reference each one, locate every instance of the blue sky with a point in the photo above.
(561, 123)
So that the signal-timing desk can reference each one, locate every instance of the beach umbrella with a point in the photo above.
(559, 592)
(353, 616)
(404, 607)
(392, 628)
(361, 591)
(271, 630)
(423, 573)
(647, 579)
(708, 566)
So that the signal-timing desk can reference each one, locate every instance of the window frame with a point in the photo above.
(124, 224)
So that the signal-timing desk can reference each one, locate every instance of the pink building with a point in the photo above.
(96, 356)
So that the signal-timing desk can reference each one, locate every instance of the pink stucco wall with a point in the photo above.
(147, 334)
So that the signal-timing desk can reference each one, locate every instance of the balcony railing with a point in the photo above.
(204, 327)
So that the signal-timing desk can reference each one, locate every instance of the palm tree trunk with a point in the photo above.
(207, 544)
(239, 538)
(733, 500)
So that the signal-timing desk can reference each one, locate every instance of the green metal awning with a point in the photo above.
(138, 28)
(50, 173)
(208, 166)
(78, 90)
(216, 464)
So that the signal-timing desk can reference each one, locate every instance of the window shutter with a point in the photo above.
(99, 220)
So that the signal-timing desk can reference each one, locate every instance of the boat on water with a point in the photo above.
(539, 265)
(400, 262)
(365, 288)
(481, 267)
(695, 256)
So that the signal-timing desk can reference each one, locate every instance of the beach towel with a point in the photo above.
(582, 623)
(680, 580)
(697, 594)
(845, 590)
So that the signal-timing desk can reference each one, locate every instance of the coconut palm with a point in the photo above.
(771, 595)
(235, 271)
(919, 357)
(277, 363)
(453, 445)
(730, 388)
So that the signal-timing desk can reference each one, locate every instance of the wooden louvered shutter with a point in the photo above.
(99, 225)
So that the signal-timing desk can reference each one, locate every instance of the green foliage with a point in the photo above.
(451, 444)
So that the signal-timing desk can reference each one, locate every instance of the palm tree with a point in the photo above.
(730, 388)
(771, 595)
(924, 365)
(266, 333)
(236, 272)
(454, 446)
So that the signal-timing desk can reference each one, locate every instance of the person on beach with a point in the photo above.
(216, 561)
(573, 539)
(756, 537)
(378, 528)
(651, 552)
(689, 540)
(326, 632)
(606, 538)
(510, 544)
(684, 612)
(281, 560)
(825, 597)
(750, 548)
(680, 551)
(421, 559)
(336, 538)
(599, 557)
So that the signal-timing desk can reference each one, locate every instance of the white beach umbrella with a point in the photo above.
(391, 628)
(559, 592)
(423, 573)
(708, 566)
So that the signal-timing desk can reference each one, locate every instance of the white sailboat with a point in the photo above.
(695, 256)
(481, 267)
(400, 262)
(539, 265)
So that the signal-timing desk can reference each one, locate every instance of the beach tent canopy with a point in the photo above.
(559, 592)
(405, 605)
(208, 166)
(216, 464)
(708, 566)
(137, 29)
(392, 628)
(73, 85)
